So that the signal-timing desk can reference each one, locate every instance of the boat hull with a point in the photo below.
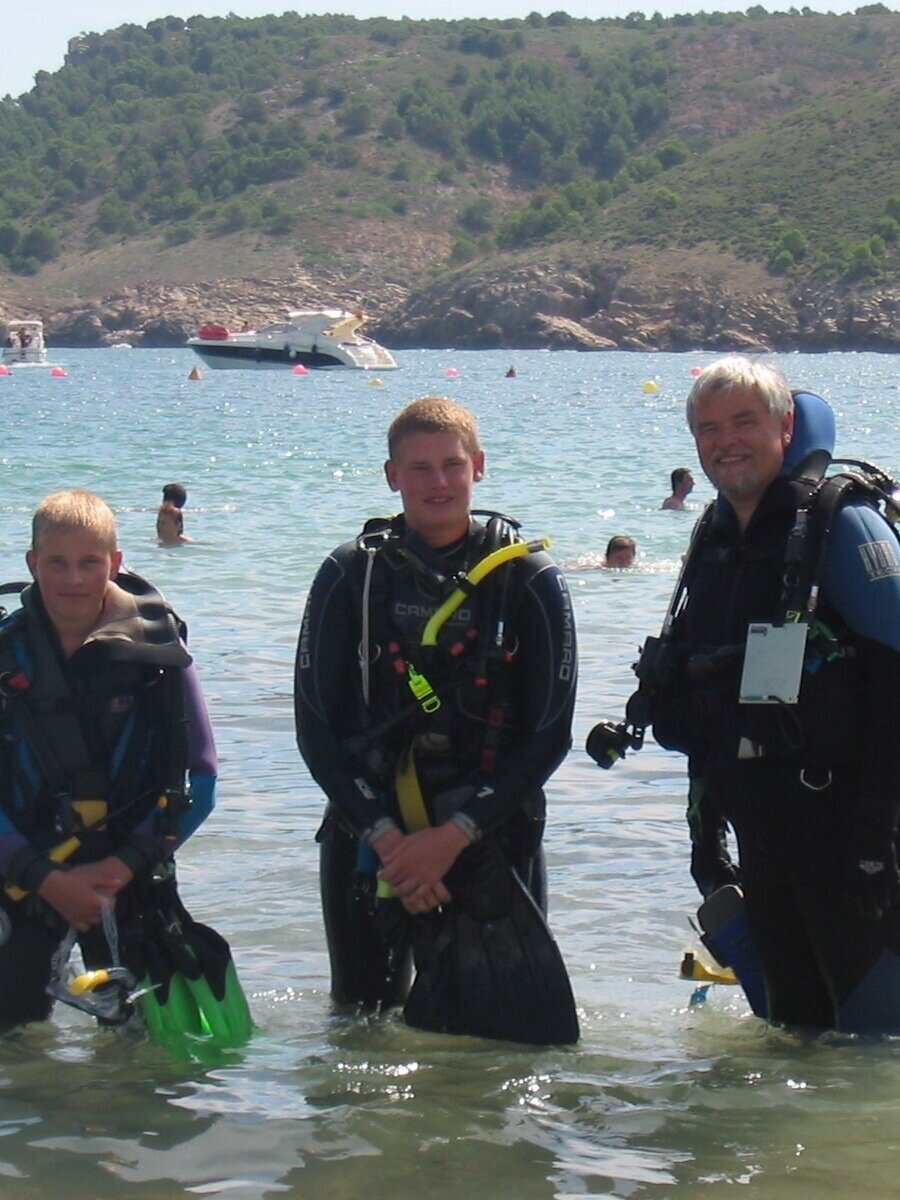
(227, 356)
(31, 366)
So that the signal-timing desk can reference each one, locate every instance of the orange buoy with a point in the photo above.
(4, 369)
(696, 371)
(300, 369)
(194, 373)
(58, 373)
(451, 373)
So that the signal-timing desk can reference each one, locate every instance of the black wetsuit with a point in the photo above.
(801, 785)
(482, 759)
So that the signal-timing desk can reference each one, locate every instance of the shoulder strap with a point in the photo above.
(375, 535)
(174, 799)
(65, 757)
(689, 566)
(808, 542)
(10, 589)
(806, 547)
(653, 667)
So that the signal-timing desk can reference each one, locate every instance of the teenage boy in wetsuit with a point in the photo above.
(502, 724)
(87, 720)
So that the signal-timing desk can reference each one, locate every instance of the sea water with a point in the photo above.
(662, 1097)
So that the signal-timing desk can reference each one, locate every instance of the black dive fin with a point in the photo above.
(501, 977)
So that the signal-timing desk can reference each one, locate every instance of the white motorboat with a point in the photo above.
(25, 346)
(319, 339)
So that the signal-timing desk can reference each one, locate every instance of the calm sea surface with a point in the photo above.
(661, 1098)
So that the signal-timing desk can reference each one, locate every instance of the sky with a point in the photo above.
(36, 39)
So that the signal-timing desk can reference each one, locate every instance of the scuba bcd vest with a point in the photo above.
(436, 643)
(93, 744)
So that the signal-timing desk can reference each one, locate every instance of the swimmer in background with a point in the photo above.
(682, 486)
(170, 518)
(620, 551)
(170, 526)
(174, 493)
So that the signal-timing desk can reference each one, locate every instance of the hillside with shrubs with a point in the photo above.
(398, 150)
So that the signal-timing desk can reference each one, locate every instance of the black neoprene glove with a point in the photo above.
(874, 877)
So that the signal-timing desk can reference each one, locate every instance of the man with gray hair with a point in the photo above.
(778, 674)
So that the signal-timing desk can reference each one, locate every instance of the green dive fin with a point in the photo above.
(491, 970)
(191, 988)
(168, 1008)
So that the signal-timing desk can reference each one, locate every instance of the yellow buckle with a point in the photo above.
(91, 813)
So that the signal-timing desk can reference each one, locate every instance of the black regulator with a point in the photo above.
(608, 741)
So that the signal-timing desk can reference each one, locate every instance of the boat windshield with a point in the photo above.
(280, 327)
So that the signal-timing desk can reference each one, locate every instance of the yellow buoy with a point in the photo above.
(651, 387)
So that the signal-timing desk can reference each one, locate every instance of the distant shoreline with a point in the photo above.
(506, 349)
(566, 301)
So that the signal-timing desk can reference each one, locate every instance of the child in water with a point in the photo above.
(170, 526)
(620, 551)
(170, 517)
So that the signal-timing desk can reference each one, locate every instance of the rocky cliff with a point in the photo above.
(606, 305)
(565, 301)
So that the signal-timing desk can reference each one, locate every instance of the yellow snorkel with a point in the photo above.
(489, 563)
